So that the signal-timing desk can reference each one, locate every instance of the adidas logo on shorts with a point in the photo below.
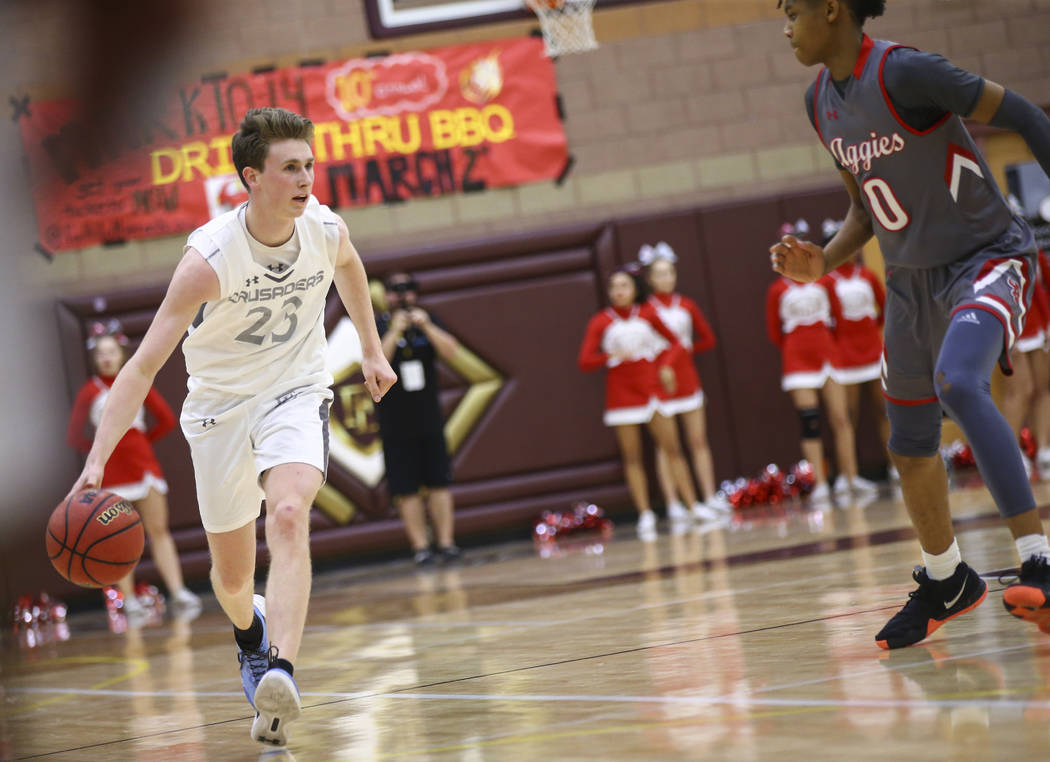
(969, 317)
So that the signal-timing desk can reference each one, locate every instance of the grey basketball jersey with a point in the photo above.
(930, 194)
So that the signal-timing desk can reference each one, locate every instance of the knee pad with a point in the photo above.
(809, 417)
(915, 430)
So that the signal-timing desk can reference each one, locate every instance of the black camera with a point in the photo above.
(402, 286)
(399, 289)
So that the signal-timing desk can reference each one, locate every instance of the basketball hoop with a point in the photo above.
(566, 25)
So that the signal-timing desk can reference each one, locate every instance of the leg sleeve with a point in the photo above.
(962, 376)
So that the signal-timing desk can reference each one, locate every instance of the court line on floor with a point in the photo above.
(895, 668)
(137, 667)
(557, 663)
(794, 705)
(742, 702)
(815, 547)
(442, 682)
(751, 700)
(618, 612)
(706, 595)
(846, 542)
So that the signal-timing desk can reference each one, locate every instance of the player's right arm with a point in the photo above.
(193, 284)
(856, 229)
(806, 262)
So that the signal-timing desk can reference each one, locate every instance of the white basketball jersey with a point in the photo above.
(266, 330)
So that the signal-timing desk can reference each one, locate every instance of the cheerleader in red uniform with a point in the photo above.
(798, 319)
(132, 471)
(1026, 394)
(638, 352)
(682, 315)
(858, 336)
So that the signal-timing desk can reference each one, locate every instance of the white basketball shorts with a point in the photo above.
(232, 449)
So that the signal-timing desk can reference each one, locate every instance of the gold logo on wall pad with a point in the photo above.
(354, 426)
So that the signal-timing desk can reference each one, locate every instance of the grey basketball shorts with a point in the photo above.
(921, 303)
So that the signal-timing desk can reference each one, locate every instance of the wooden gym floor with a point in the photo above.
(752, 641)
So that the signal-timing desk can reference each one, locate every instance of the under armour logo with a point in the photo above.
(277, 268)
(833, 114)
(251, 280)
(969, 317)
(208, 423)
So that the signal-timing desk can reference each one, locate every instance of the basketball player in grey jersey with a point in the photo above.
(960, 269)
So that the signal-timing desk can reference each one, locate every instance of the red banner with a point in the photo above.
(387, 129)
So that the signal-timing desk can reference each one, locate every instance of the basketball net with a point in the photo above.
(566, 25)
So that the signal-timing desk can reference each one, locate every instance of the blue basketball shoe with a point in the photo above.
(276, 705)
(255, 662)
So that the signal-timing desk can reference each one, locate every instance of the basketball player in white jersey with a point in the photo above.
(250, 290)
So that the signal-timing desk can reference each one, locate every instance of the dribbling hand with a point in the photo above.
(90, 478)
(379, 376)
(801, 261)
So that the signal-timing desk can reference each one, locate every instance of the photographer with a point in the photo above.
(410, 420)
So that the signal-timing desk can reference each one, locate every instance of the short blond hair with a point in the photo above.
(261, 127)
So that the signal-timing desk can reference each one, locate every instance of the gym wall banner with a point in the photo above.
(387, 129)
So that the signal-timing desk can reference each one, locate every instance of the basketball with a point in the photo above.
(94, 538)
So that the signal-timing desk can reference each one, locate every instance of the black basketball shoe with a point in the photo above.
(1029, 597)
(931, 605)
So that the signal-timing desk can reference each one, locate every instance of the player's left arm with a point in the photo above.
(352, 284)
(926, 83)
(1004, 108)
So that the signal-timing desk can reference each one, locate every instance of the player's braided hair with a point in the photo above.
(862, 10)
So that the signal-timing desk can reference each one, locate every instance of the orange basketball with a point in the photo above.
(94, 538)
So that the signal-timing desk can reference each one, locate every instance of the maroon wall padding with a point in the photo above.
(521, 303)
(682, 232)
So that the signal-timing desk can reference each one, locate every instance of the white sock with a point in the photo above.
(1032, 545)
(942, 565)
